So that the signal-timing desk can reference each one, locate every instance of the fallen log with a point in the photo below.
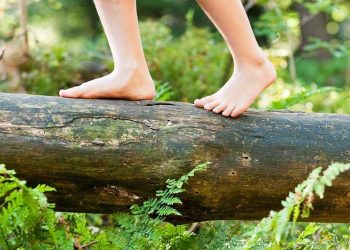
(104, 155)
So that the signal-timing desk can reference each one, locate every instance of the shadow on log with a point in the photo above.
(104, 155)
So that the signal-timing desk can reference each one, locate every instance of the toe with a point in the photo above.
(66, 93)
(237, 111)
(69, 93)
(211, 105)
(228, 110)
(74, 92)
(61, 92)
(200, 103)
(218, 109)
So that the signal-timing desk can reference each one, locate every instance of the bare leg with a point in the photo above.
(253, 71)
(131, 78)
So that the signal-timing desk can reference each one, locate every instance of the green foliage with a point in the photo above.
(50, 70)
(194, 64)
(142, 232)
(184, 68)
(216, 235)
(270, 25)
(197, 62)
(329, 72)
(275, 229)
(27, 221)
(299, 97)
(164, 91)
(324, 6)
(25, 214)
(336, 48)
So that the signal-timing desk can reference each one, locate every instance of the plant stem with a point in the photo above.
(23, 12)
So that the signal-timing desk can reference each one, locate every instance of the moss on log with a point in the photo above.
(104, 155)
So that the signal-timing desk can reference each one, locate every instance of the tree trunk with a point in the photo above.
(312, 26)
(23, 13)
(104, 155)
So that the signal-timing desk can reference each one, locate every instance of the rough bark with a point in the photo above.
(104, 155)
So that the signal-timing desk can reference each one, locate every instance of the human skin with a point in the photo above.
(253, 72)
(131, 80)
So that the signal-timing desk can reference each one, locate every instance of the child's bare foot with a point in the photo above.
(236, 96)
(129, 83)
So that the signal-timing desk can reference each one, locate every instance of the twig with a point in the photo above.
(250, 4)
(288, 32)
(347, 72)
(2, 53)
(77, 245)
(306, 19)
(194, 228)
(89, 244)
(22, 6)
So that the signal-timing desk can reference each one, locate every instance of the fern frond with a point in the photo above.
(276, 225)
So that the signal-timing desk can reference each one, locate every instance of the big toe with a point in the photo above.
(65, 93)
(237, 111)
(74, 92)
(199, 103)
(203, 101)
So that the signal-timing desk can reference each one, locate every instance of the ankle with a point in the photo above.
(138, 72)
(130, 66)
(261, 67)
(260, 64)
(258, 60)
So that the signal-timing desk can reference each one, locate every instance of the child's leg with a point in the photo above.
(131, 78)
(253, 72)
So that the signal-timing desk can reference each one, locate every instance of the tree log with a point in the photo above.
(104, 155)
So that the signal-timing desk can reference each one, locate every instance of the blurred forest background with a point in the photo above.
(46, 45)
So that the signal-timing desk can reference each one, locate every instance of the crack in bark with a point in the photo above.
(10, 126)
(160, 104)
(66, 123)
(71, 121)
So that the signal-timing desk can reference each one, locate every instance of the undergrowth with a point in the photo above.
(28, 221)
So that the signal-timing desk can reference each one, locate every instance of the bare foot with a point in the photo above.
(236, 96)
(124, 83)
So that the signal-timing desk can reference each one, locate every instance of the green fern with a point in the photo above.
(22, 210)
(141, 226)
(300, 97)
(28, 221)
(277, 227)
(164, 91)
